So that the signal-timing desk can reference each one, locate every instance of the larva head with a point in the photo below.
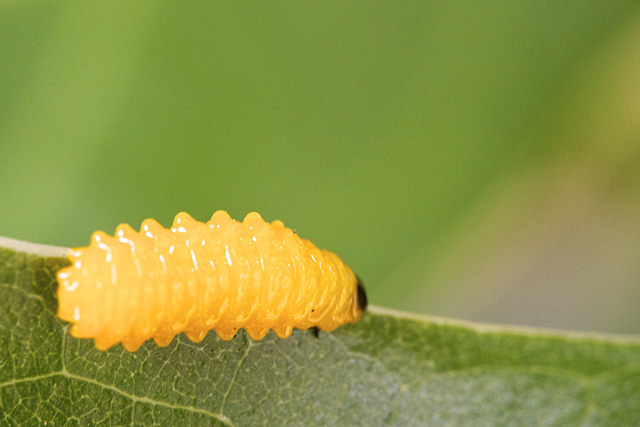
(362, 296)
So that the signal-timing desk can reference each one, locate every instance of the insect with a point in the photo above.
(194, 277)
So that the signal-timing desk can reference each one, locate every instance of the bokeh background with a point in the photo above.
(475, 159)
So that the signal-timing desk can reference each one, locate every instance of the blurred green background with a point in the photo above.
(475, 159)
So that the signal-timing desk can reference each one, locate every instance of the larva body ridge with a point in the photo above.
(193, 277)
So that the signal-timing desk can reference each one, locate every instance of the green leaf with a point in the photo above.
(388, 369)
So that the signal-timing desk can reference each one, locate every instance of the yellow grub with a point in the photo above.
(194, 277)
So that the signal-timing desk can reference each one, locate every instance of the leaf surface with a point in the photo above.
(388, 369)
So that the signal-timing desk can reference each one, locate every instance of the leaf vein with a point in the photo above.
(235, 373)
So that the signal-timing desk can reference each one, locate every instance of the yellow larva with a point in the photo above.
(194, 277)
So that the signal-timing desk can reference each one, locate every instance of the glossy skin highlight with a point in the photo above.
(195, 277)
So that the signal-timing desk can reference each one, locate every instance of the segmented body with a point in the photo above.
(194, 277)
